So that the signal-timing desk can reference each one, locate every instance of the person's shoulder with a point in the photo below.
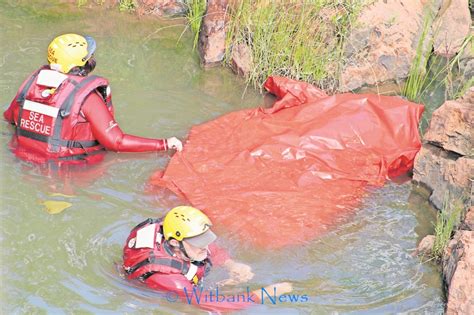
(94, 98)
(92, 102)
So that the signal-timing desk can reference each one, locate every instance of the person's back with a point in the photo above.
(60, 112)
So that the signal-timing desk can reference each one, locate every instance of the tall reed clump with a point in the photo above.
(454, 91)
(303, 39)
(448, 218)
(427, 75)
(196, 11)
(418, 76)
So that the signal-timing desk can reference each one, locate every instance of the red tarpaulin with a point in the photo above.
(284, 175)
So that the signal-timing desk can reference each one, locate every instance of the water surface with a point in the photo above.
(58, 263)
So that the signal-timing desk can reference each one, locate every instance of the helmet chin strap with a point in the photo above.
(183, 250)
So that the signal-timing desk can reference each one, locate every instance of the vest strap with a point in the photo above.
(32, 135)
(64, 111)
(147, 221)
(65, 143)
(167, 262)
(67, 105)
(78, 157)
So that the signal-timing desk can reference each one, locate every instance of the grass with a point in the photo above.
(426, 74)
(456, 91)
(418, 76)
(303, 40)
(127, 5)
(448, 218)
(434, 79)
(81, 3)
(123, 5)
(196, 10)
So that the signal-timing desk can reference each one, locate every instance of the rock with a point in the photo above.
(388, 88)
(166, 8)
(426, 246)
(452, 125)
(466, 68)
(445, 162)
(468, 223)
(213, 33)
(451, 27)
(383, 45)
(458, 270)
(241, 59)
(442, 171)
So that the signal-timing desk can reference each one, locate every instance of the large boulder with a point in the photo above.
(451, 27)
(212, 35)
(383, 44)
(458, 271)
(442, 171)
(241, 59)
(452, 125)
(445, 162)
(466, 63)
(425, 248)
(468, 223)
(165, 8)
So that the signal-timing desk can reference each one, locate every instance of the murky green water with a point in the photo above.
(66, 262)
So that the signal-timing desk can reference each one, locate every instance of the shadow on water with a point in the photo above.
(57, 263)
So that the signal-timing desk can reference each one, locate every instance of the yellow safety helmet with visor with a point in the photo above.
(70, 50)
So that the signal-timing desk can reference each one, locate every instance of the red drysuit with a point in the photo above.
(150, 259)
(69, 117)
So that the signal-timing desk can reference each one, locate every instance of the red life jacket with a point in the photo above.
(48, 114)
(146, 252)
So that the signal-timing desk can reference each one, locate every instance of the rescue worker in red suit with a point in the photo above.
(63, 113)
(174, 255)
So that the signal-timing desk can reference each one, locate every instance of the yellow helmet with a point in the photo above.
(188, 223)
(70, 50)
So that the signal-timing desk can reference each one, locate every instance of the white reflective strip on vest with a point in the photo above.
(50, 78)
(158, 238)
(41, 108)
(146, 237)
(191, 272)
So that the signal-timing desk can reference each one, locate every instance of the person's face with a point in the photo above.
(195, 253)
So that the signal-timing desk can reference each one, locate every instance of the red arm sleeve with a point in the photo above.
(106, 130)
(8, 114)
(176, 286)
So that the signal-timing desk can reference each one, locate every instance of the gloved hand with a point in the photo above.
(239, 273)
(174, 143)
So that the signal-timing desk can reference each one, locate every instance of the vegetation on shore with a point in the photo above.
(430, 72)
(196, 10)
(303, 40)
(447, 220)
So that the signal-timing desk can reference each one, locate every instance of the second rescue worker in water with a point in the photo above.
(173, 254)
(62, 112)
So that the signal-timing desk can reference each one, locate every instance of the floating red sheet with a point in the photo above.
(285, 175)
